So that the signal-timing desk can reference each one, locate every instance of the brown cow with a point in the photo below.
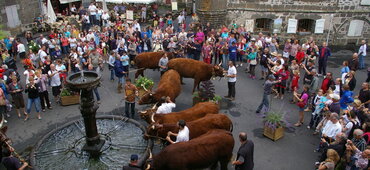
(196, 127)
(169, 85)
(198, 70)
(202, 152)
(193, 113)
(149, 60)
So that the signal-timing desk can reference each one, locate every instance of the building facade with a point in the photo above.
(340, 22)
(14, 13)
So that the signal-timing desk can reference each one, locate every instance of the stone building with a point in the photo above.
(14, 13)
(340, 22)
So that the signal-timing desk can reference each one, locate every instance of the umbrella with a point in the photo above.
(50, 13)
(105, 8)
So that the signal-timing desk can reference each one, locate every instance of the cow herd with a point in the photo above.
(211, 141)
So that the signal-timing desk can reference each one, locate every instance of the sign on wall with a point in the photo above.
(174, 6)
(292, 26)
(355, 28)
(130, 15)
(365, 2)
(277, 25)
(319, 27)
(249, 25)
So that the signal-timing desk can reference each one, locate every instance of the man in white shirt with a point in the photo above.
(182, 136)
(362, 54)
(42, 54)
(180, 19)
(166, 107)
(55, 82)
(92, 11)
(231, 75)
(21, 49)
(105, 17)
(332, 128)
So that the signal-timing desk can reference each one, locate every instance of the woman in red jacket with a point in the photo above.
(283, 75)
(300, 55)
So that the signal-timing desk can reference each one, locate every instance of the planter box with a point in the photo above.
(69, 100)
(273, 134)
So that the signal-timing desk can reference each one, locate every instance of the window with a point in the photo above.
(263, 24)
(355, 28)
(306, 25)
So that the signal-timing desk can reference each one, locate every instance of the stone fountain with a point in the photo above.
(85, 85)
(103, 142)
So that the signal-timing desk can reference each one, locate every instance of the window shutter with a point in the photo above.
(319, 27)
(277, 25)
(249, 25)
(292, 26)
(355, 28)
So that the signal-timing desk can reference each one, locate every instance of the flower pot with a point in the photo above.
(69, 100)
(273, 134)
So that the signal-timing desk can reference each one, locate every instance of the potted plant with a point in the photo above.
(206, 93)
(274, 124)
(68, 97)
(34, 47)
(144, 84)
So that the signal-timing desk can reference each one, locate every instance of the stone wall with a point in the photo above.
(27, 11)
(340, 12)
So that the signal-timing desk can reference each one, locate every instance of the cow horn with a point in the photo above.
(152, 117)
(153, 126)
(155, 105)
(150, 154)
(144, 88)
(220, 63)
(148, 167)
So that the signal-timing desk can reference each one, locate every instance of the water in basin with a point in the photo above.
(63, 149)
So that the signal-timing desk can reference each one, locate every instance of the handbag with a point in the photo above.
(301, 104)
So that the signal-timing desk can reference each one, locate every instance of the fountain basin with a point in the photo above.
(62, 148)
(83, 80)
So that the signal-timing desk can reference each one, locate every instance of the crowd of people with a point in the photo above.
(105, 40)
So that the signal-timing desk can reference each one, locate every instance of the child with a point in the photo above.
(294, 86)
(316, 104)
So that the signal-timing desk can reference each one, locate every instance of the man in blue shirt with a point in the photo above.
(232, 53)
(125, 62)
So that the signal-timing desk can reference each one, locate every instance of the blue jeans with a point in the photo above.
(65, 49)
(191, 55)
(128, 107)
(37, 104)
(97, 94)
(121, 80)
(224, 60)
(112, 74)
(265, 102)
(361, 62)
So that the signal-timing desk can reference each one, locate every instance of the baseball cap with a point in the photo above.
(134, 157)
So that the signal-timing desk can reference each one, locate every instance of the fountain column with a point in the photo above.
(88, 110)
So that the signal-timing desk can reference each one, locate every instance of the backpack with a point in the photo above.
(367, 134)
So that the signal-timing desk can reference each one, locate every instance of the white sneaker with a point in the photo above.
(241, 64)
(5, 121)
(237, 65)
